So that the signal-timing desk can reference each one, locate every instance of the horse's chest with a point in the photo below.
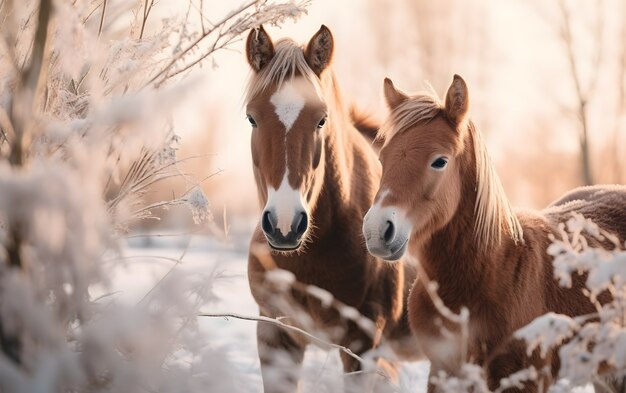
(342, 278)
(345, 277)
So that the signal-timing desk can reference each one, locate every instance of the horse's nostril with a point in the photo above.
(302, 224)
(390, 233)
(266, 223)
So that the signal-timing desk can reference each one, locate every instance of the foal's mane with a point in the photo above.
(492, 211)
(288, 62)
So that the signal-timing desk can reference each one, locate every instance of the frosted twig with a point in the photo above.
(171, 269)
(194, 232)
(147, 7)
(283, 325)
(104, 10)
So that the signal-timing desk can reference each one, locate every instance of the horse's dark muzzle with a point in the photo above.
(275, 237)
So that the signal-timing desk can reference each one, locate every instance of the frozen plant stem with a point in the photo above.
(104, 11)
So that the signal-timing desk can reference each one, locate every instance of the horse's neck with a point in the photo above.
(339, 147)
(337, 169)
(342, 148)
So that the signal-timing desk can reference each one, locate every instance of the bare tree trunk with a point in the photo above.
(581, 93)
(621, 103)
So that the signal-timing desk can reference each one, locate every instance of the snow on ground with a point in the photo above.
(147, 263)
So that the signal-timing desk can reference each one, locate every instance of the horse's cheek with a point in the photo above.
(318, 152)
(254, 145)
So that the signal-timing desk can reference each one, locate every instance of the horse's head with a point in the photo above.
(420, 188)
(288, 114)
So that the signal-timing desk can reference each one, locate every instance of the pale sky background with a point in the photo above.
(518, 107)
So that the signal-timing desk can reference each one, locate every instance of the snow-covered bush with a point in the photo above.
(87, 90)
(593, 347)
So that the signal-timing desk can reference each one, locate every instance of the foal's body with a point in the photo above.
(442, 200)
(316, 177)
(504, 287)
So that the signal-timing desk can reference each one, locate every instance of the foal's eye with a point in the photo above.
(439, 163)
(322, 123)
(251, 120)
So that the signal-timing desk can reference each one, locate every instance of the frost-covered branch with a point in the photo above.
(227, 31)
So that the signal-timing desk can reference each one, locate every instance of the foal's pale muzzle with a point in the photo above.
(386, 232)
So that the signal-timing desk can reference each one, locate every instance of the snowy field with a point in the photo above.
(147, 264)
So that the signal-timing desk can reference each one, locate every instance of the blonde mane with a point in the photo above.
(492, 212)
(288, 62)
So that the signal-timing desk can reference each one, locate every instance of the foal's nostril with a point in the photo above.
(302, 224)
(266, 223)
(390, 233)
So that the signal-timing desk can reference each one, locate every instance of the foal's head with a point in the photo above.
(421, 183)
(434, 157)
(288, 115)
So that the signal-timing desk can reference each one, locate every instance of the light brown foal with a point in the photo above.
(441, 200)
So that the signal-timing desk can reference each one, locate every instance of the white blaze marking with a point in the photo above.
(288, 104)
(286, 202)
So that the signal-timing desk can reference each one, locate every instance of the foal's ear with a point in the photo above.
(457, 100)
(393, 96)
(319, 51)
(259, 48)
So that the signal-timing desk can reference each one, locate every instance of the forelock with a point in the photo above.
(287, 63)
(418, 109)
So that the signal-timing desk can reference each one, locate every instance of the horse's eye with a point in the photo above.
(439, 163)
(251, 120)
(322, 123)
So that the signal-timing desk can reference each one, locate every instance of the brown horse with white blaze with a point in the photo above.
(316, 177)
(440, 199)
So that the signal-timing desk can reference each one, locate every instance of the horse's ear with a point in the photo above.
(457, 100)
(319, 50)
(259, 48)
(393, 96)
